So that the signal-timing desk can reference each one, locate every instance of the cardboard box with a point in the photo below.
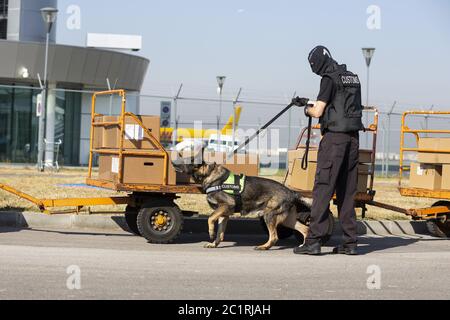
(247, 164)
(139, 170)
(108, 167)
(435, 144)
(363, 178)
(298, 154)
(365, 156)
(145, 170)
(425, 176)
(445, 185)
(304, 179)
(134, 135)
(110, 133)
(136, 138)
(98, 134)
(301, 179)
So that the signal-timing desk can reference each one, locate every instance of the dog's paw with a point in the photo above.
(261, 248)
(210, 245)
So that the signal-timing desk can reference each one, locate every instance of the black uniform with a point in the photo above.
(337, 165)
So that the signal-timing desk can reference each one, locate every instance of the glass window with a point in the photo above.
(21, 126)
(70, 135)
(5, 123)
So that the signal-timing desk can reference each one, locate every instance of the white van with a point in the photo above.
(222, 143)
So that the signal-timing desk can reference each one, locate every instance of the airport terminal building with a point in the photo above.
(73, 73)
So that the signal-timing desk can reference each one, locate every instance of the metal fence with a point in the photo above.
(258, 110)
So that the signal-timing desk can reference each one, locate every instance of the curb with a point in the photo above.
(191, 224)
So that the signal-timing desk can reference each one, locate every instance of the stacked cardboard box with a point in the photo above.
(149, 170)
(433, 170)
(304, 179)
(137, 169)
(135, 138)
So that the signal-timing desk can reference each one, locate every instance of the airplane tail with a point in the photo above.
(229, 125)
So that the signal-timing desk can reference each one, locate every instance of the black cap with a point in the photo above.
(319, 58)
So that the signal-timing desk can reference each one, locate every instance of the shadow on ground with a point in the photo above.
(11, 219)
(366, 245)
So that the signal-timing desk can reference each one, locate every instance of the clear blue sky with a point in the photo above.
(262, 45)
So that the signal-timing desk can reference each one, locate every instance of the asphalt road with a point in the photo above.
(34, 265)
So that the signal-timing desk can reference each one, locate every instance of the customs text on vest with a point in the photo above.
(344, 112)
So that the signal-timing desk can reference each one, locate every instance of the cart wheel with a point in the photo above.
(131, 214)
(282, 231)
(160, 223)
(440, 227)
(326, 238)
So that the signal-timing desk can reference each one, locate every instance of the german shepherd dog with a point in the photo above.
(271, 200)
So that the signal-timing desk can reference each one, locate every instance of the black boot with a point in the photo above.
(348, 250)
(311, 249)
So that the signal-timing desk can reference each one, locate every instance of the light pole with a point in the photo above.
(368, 54)
(389, 136)
(220, 83)
(49, 17)
(234, 117)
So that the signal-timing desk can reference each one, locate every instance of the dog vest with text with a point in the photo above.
(234, 185)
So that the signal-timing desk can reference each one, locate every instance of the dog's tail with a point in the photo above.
(303, 208)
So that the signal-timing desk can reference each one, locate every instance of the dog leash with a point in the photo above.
(264, 127)
(308, 140)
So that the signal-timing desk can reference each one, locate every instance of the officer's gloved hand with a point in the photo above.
(306, 110)
(300, 102)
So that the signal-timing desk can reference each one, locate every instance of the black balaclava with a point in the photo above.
(321, 61)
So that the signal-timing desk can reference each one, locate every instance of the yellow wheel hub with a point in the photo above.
(160, 220)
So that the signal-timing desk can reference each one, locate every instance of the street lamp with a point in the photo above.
(368, 55)
(49, 16)
(220, 83)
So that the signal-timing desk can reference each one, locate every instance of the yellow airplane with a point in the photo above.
(191, 133)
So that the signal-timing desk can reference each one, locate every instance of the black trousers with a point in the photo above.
(337, 171)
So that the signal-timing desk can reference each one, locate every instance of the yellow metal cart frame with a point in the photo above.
(440, 211)
(120, 152)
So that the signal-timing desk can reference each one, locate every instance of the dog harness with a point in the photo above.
(233, 185)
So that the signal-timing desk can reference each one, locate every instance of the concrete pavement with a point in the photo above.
(40, 264)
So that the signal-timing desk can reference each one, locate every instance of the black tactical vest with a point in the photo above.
(344, 112)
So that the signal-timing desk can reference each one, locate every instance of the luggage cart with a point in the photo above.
(151, 210)
(53, 146)
(437, 216)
